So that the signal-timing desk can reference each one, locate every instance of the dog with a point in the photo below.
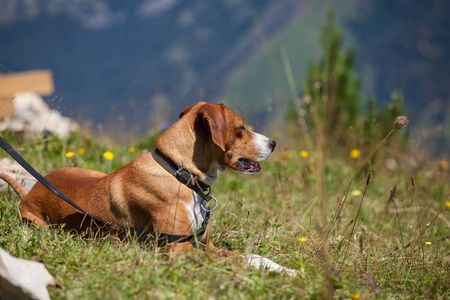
(207, 139)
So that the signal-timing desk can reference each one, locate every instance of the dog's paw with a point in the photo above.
(265, 264)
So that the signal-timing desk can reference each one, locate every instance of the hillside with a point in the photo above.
(115, 58)
(183, 51)
(398, 46)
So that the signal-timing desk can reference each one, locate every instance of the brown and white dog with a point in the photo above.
(207, 139)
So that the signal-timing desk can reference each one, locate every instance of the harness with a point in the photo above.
(181, 174)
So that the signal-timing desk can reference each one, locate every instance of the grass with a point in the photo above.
(377, 247)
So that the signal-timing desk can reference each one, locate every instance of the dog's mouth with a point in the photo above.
(249, 167)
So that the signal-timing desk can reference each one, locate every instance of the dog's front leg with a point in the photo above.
(212, 251)
(177, 248)
(180, 250)
(206, 246)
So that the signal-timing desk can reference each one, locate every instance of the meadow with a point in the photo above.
(348, 199)
(354, 228)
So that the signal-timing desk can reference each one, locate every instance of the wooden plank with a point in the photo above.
(6, 107)
(38, 81)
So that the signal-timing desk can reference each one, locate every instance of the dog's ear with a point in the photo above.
(189, 108)
(212, 118)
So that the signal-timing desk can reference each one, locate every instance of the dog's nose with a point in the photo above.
(272, 144)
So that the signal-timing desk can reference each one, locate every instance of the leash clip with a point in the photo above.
(189, 179)
(207, 209)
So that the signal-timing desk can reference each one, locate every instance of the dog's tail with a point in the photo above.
(15, 185)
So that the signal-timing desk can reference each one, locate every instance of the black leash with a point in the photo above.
(171, 238)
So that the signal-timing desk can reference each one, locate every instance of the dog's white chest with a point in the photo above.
(196, 213)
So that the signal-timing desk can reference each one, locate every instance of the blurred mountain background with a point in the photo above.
(137, 61)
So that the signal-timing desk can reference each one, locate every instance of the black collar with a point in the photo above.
(182, 175)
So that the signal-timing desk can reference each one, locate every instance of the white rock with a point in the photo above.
(13, 169)
(33, 115)
(23, 279)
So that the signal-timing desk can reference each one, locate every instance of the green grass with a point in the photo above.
(384, 256)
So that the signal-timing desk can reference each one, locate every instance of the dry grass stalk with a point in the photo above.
(413, 183)
(400, 122)
(356, 217)
(398, 220)
(418, 241)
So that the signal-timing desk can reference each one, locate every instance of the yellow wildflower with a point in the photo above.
(108, 155)
(81, 151)
(444, 164)
(447, 203)
(304, 154)
(428, 243)
(355, 153)
(355, 296)
(356, 193)
(131, 150)
(303, 239)
(70, 154)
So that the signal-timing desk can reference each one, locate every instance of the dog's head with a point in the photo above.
(234, 146)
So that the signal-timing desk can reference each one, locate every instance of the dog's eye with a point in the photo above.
(240, 131)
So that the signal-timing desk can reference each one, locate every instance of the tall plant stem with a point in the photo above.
(342, 202)
(419, 240)
(357, 214)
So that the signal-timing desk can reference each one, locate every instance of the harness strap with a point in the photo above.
(171, 238)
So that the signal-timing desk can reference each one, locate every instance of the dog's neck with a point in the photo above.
(189, 151)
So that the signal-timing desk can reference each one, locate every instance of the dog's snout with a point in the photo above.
(272, 144)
